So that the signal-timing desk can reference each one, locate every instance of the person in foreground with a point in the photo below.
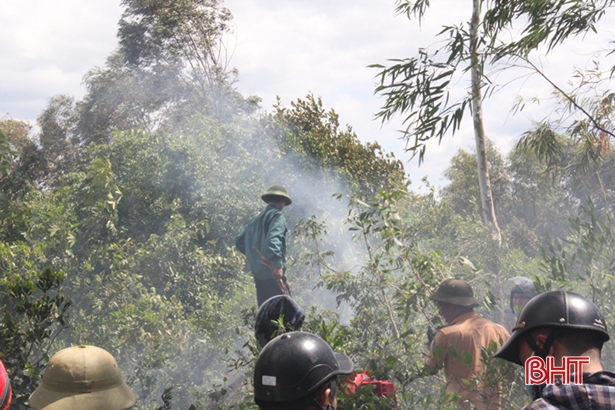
(298, 371)
(465, 333)
(263, 241)
(82, 378)
(562, 324)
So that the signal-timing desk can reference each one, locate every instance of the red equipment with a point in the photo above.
(5, 389)
(382, 388)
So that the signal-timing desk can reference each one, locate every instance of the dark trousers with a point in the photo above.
(267, 288)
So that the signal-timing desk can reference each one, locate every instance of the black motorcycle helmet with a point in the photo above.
(294, 365)
(270, 311)
(559, 310)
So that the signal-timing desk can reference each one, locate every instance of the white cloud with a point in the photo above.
(47, 47)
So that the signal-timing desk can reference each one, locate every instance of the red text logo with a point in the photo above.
(538, 371)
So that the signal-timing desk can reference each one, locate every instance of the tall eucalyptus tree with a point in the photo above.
(419, 88)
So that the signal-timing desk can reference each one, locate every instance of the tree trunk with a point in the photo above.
(486, 198)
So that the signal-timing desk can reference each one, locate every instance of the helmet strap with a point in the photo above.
(541, 352)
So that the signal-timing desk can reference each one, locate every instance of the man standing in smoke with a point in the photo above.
(263, 241)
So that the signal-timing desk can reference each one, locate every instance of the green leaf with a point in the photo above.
(453, 352)
(438, 352)
(466, 358)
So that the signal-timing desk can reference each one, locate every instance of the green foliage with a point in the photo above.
(179, 47)
(143, 235)
(19, 167)
(16, 132)
(549, 23)
(154, 31)
(419, 87)
(170, 66)
(583, 261)
(154, 295)
(386, 281)
(530, 202)
(34, 313)
(463, 191)
(60, 145)
(308, 129)
(581, 159)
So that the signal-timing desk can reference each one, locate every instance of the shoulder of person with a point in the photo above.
(275, 213)
(450, 329)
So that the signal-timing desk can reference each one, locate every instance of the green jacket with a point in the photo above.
(267, 233)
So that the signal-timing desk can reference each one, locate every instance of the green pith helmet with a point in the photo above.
(455, 292)
(84, 378)
(277, 190)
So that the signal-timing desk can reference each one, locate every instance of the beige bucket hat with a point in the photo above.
(84, 378)
(277, 190)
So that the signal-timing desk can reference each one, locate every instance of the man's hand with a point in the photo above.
(277, 273)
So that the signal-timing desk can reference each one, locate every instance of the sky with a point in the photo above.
(281, 48)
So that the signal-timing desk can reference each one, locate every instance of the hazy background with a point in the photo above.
(281, 48)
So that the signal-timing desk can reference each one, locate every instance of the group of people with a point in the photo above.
(554, 324)
(558, 325)
(467, 332)
(295, 370)
(299, 371)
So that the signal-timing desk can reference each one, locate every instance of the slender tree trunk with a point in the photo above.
(486, 198)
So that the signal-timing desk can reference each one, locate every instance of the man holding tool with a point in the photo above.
(263, 241)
